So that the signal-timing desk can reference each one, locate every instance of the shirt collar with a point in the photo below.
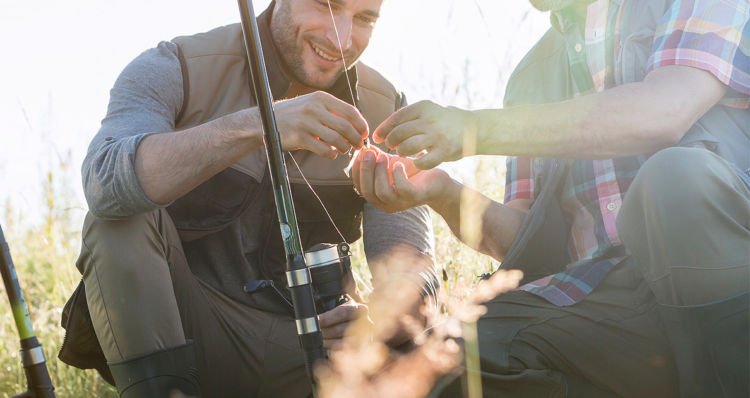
(278, 75)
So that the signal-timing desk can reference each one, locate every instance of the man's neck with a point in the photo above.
(296, 89)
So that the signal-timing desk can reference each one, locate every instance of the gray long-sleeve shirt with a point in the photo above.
(146, 99)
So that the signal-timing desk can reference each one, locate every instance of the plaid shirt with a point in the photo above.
(705, 34)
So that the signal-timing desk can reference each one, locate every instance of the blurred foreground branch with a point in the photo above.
(365, 366)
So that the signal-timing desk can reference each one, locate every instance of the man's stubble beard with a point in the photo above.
(284, 34)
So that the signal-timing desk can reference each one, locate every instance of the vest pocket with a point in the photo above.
(344, 206)
(213, 205)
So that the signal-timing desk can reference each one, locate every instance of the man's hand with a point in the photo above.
(427, 128)
(392, 183)
(320, 123)
(335, 322)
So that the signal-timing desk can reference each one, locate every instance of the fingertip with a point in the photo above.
(363, 125)
(399, 165)
(376, 137)
(369, 156)
(399, 172)
(359, 156)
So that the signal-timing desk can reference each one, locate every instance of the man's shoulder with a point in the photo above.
(224, 40)
(371, 81)
(377, 97)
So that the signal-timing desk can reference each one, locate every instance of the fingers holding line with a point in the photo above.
(349, 134)
(319, 147)
(405, 131)
(415, 145)
(385, 129)
(350, 114)
(431, 159)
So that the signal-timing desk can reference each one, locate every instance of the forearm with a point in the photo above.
(400, 285)
(169, 165)
(597, 126)
(622, 121)
(481, 223)
(399, 248)
(400, 241)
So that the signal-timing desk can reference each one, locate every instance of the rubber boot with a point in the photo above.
(710, 346)
(162, 374)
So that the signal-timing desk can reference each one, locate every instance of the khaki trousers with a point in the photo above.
(143, 298)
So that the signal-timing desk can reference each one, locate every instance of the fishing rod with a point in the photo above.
(39, 384)
(298, 274)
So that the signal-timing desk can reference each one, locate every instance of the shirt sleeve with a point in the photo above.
(707, 34)
(145, 99)
(519, 180)
(389, 233)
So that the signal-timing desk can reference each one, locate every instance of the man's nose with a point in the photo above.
(342, 25)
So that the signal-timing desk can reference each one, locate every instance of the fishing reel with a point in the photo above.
(329, 264)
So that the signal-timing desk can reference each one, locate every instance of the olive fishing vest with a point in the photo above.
(552, 71)
(228, 224)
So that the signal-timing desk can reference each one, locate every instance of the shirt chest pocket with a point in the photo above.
(632, 58)
(638, 24)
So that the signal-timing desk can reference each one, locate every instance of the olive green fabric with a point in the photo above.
(144, 252)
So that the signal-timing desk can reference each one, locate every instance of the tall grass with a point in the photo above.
(45, 253)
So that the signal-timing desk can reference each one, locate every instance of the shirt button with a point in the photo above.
(578, 47)
(612, 206)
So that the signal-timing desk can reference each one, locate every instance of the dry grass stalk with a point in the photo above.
(365, 366)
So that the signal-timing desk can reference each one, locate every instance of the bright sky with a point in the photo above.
(60, 59)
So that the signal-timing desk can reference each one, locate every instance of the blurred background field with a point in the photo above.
(45, 254)
(55, 91)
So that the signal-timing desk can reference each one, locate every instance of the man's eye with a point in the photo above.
(326, 4)
(367, 20)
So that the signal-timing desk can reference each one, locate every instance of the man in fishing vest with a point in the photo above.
(182, 259)
(627, 202)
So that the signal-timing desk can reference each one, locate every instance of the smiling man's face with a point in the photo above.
(304, 34)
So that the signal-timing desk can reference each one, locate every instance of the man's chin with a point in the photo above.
(319, 85)
(321, 81)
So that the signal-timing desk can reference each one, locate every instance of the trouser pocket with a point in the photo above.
(80, 347)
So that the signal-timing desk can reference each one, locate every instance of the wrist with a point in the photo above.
(242, 128)
(472, 129)
(447, 192)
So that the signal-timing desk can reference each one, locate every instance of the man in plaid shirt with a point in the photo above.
(652, 297)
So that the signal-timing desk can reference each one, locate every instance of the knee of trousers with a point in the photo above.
(675, 184)
(126, 244)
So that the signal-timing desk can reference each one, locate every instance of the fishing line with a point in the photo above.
(341, 49)
(351, 93)
(291, 156)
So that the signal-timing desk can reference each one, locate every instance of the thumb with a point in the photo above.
(408, 165)
(401, 179)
